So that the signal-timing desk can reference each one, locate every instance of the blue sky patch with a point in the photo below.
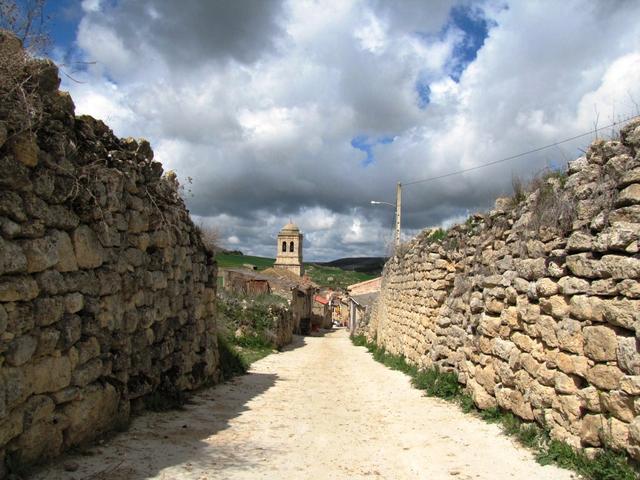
(424, 93)
(63, 19)
(475, 28)
(367, 144)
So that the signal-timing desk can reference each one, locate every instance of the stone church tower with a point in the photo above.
(290, 249)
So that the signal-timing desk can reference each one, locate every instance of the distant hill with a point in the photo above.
(369, 265)
(325, 275)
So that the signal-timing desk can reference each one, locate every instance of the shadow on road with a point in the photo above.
(156, 441)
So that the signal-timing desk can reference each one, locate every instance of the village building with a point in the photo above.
(298, 292)
(289, 248)
(361, 301)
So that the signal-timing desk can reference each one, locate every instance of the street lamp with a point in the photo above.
(397, 206)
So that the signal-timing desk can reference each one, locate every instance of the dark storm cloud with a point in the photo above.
(191, 31)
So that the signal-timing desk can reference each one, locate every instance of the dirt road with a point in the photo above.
(323, 409)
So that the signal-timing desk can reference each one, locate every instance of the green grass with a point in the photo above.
(229, 261)
(324, 276)
(607, 465)
(333, 276)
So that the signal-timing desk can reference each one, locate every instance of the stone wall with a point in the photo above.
(106, 290)
(535, 305)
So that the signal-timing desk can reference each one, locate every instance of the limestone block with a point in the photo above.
(93, 413)
(617, 237)
(580, 242)
(627, 355)
(529, 364)
(502, 348)
(629, 196)
(12, 205)
(582, 265)
(620, 405)
(573, 285)
(615, 434)
(65, 253)
(569, 334)
(88, 250)
(621, 267)
(547, 327)
(48, 310)
(12, 259)
(539, 396)
(3, 319)
(606, 377)
(571, 364)
(634, 430)
(494, 306)
(25, 149)
(521, 285)
(513, 401)
(18, 288)
(606, 287)
(629, 288)
(629, 214)
(564, 383)
(591, 429)
(583, 307)
(70, 328)
(531, 269)
(630, 384)
(88, 349)
(47, 341)
(511, 295)
(523, 342)
(622, 313)
(590, 397)
(481, 398)
(73, 302)
(489, 325)
(43, 253)
(546, 376)
(600, 343)
(87, 373)
(48, 374)
(529, 313)
(555, 306)
(569, 406)
(21, 350)
(42, 440)
(138, 221)
(546, 287)
(11, 426)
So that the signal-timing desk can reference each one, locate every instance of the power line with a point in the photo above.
(513, 157)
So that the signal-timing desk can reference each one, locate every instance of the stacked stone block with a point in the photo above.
(538, 318)
(107, 293)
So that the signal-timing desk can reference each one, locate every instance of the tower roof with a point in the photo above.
(290, 228)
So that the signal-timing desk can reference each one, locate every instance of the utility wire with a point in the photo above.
(513, 157)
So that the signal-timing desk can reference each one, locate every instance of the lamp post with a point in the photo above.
(398, 207)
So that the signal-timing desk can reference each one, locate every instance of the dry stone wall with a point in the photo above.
(107, 293)
(535, 305)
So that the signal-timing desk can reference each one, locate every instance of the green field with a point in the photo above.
(228, 260)
(323, 276)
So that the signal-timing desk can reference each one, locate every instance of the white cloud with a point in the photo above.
(263, 119)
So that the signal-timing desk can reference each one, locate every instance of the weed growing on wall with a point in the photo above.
(245, 333)
(607, 465)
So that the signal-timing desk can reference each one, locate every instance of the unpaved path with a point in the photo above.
(323, 409)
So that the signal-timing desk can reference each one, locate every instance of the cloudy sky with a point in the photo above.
(308, 110)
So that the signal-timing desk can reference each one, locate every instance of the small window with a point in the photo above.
(291, 247)
(284, 246)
